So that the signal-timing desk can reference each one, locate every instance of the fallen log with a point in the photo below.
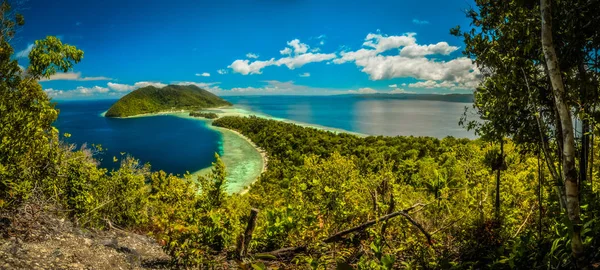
(284, 252)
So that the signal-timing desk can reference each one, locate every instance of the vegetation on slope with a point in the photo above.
(489, 203)
(151, 99)
(207, 115)
(319, 183)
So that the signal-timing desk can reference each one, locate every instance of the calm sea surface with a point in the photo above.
(177, 145)
(372, 115)
(169, 143)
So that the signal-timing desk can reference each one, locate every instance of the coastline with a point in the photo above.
(244, 160)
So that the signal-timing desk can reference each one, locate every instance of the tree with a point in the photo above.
(214, 184)
(27, 138)
(569, 172)
(534, 83)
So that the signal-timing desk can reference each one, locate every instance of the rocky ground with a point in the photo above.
(48, 242)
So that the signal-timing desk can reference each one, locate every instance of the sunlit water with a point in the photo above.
(373, 116)
(178, 144)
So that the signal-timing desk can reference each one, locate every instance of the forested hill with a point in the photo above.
(173, 97)
(465, 98)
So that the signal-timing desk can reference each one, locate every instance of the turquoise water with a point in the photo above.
(176, 145)
(169, 143)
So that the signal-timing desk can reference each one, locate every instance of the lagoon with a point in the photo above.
(178, 144)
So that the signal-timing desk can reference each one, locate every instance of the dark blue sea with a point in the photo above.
(177, 145)
(168, 143)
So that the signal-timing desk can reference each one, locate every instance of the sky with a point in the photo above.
(254, 47)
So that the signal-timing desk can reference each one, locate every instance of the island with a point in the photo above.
(151, 99)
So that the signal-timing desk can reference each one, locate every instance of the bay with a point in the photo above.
(168, 143)
(176, 144)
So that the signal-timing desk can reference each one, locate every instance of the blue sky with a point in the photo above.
(255, 47)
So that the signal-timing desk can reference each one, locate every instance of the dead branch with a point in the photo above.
(338, 236)
(284, 252)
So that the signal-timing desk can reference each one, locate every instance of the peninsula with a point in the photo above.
(151, 99)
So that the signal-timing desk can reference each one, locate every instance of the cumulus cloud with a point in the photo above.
(432, 84)
(416, 21)
(393, 85)
(126, 87)
(112, 89)
(299, 59)
(251, 55)
(78, 92)
(305, 74)
(73, 76)
(400, 91)
(410, 62)
(383, 43)
(222, 71)
(286, 51)
(205, 74)
(244, 67)
(421, 50)
(25, 53)
(299, 47)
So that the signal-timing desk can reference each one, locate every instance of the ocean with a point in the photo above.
(366, 115)
(168, 143)
(177, 145)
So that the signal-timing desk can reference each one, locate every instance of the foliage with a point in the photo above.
(150, 99)
(209, 115)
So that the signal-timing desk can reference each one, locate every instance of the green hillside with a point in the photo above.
(173, 97)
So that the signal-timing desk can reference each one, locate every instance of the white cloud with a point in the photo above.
(421, 50)
(126, 88)
(322, 42)
(205, 74)
(246, 67)
(286, 51)
(301, 60)
(222, 71)
(366, 90)
(431, 84)
(393, 85)
(212, 86)
(410, 62)
(25, 53)
(305, 74)
(73, 76)
(78, 92)
(299, 47)
(400, 91)
(251, 55)
(416, 21)
(383, 43)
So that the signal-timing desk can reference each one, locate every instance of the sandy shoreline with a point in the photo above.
(262, 152)
(244, 160)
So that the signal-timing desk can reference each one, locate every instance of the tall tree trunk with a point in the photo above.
(585, 124)
(498, 172)
(569, 171)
